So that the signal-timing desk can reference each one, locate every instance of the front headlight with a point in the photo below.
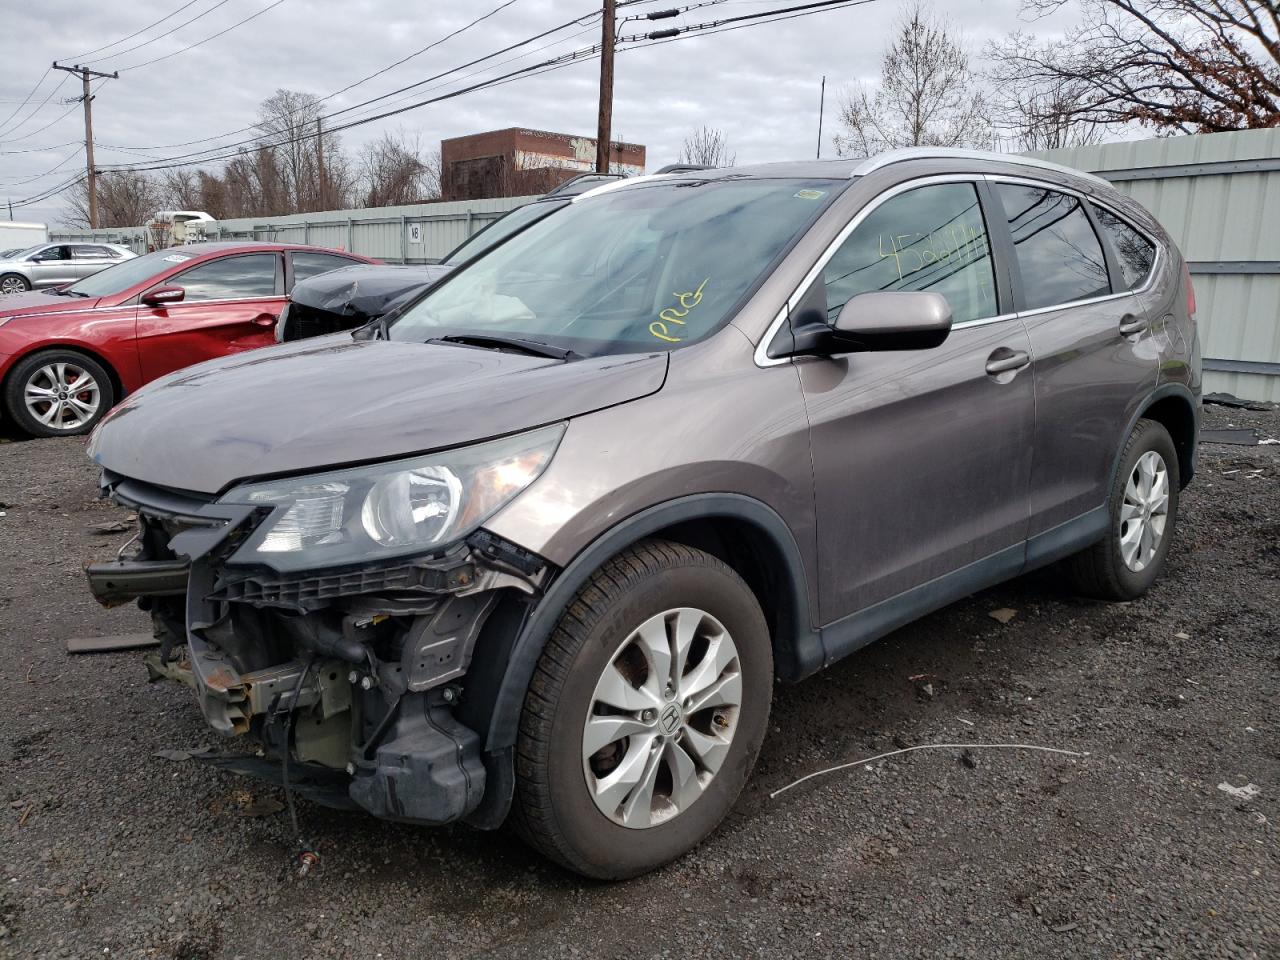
(385, 510)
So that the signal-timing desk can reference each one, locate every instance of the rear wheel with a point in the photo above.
(58, 393)
(1143, 509)
(645, 713)
(13, 283)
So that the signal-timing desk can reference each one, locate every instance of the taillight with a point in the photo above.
(1191, 290)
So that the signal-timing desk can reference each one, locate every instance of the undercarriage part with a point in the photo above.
(120, 581)
(325, 787)
(427, 768)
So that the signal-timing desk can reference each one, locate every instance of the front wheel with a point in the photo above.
(13, 283)
(58, 393)
(645, 713)
(1143, 509)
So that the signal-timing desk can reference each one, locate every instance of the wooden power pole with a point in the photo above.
(603, 133)
(87, 98)
(320, 160)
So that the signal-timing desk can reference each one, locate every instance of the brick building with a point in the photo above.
(516, 162)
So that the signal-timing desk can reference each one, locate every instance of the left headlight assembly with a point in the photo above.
(385, 510)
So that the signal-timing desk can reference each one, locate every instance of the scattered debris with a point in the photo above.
(119, 641)
(1247, 792)
(261, 807)
(1194, 683)
(1228, 400)
(1242, 437)
(1182, 636)
(110, 526)
(175, 755)
(1003, 615)
(967, 723)
(1267, 442)
(968, 759)
(926, 746)
(306, 860)
(925, 689)
(1064, 927)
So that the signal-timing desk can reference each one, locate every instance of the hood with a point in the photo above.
(332, 401)
(363, 291)
(40, 301)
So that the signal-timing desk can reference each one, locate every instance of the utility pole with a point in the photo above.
(822, 102)
(320, 159)
(87, 98)
(603, 132)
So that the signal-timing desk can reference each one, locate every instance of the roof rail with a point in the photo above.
(955, 153)
(683, 167)
(581, 179)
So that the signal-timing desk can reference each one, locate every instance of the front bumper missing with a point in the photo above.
(355, 672)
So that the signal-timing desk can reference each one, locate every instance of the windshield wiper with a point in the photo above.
(535, 348)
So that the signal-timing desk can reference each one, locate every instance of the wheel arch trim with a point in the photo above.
(805, 642)
(1164, 392)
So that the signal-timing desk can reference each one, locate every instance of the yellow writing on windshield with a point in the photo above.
(675, 315)
(959, 244)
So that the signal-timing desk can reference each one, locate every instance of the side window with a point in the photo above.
(54, 253)
(89, 253)
(932, 238)
(1059, 255)
(252, 275)
(307, 265)
(1137, 254)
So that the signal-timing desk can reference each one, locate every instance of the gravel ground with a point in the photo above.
(1131, 851)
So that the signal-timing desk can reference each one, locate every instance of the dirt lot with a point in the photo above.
(1132, 851)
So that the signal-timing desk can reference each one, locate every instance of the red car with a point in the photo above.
(68, 354)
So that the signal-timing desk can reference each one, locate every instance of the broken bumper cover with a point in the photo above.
(355, 672)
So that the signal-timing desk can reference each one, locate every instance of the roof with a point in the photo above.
(221, 246)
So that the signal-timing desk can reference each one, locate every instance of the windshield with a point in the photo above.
(500, 229)
(120, 277)
(653, 266)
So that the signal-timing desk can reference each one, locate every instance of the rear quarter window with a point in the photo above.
(1059, 256)
(1137, 254)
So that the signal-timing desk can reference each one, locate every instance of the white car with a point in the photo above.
(53, 264)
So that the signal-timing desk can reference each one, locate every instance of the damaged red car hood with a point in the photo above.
(332, 401)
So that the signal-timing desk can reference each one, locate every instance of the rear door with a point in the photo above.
(231, 304)
(90, 258)
(1094, 357)
(53, 265)
(921, 458)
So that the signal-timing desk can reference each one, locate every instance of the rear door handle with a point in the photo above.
(1129, 324)
(1003, 360)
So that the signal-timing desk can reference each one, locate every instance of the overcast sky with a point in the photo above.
(759, 85)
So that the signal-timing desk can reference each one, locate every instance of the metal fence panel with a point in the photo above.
(1218, 195)
(386, 233)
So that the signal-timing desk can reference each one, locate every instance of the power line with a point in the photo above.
(159, 36)
(167, 16)
(200, 156)
(27, 98)
(198, 43)
(56, 87)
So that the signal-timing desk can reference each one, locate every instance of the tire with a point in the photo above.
(676, 591)
(13, 283)
(58, 373)
(1104, 570)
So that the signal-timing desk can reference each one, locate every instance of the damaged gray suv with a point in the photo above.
(538, 545)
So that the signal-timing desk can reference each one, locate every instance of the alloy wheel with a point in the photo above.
(62, 395)
(662, 718)
(1144, 511)
(12, 285)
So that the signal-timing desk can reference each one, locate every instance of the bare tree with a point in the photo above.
(288, 119)
(928, 95)
(126, 198)
(1178, 66)
(393, 171)
(707, 146)
(1043, 118)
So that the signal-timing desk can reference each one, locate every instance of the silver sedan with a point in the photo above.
(52, 264)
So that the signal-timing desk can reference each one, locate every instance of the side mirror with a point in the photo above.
(162, 295)
(897, 320)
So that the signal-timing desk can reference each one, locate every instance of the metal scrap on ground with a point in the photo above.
(119, 641)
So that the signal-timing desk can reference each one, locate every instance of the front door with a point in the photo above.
(230, 304)
(1094, 358)
(921, 458)
(52, 266)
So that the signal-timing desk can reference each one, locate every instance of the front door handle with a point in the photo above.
(265, 319)
(1129, 324)
(1002, 360)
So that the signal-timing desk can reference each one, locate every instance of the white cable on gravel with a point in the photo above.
(927, 746)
